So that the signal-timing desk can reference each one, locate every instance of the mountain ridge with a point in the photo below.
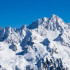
(45, 44)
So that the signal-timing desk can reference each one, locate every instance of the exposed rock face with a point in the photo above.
(51, 64)
(13, 47)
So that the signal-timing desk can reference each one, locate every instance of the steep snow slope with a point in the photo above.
(45, 44)
(69, 24)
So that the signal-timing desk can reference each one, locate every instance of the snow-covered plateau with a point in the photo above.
(43, 45)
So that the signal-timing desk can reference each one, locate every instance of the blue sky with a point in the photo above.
(16, 13)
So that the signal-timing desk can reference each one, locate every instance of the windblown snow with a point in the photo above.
(43, 45)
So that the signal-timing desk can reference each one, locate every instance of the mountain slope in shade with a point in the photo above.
(45, 44)
(69, 24)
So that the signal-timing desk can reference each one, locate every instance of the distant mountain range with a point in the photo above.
(43, 45)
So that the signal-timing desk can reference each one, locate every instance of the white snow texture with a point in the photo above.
(29, 47)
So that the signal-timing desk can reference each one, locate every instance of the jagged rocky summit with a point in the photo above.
(43, 45)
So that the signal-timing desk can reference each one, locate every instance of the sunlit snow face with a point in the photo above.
(42, 41)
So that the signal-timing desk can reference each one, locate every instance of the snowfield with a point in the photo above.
(43, 45)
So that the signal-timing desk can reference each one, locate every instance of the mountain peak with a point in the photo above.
(52, 23)
(44, 18)
(53, 15)
(36, 49)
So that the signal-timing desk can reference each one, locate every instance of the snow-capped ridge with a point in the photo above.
(43, 45)
(68, 24)
(52, 23)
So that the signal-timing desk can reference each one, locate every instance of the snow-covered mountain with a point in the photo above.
(43, 45)
(69, 24)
